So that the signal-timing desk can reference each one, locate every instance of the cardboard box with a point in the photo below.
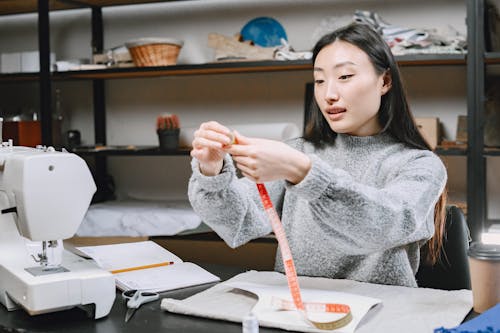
(430, 129)
(461, 129)
(23, 133)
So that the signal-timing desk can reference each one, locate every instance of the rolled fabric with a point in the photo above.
(273, 131)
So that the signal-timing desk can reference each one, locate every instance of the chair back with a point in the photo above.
(451, 272)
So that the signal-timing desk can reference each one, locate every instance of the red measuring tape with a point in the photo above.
(293, 283)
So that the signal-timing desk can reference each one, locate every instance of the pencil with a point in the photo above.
(136, 268)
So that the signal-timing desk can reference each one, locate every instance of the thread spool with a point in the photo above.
(250, 324)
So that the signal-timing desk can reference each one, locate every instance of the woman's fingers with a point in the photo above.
(244, 161)
(214, 127)
(249, 175)
(202, 142)
(210, 135)
(240, 139)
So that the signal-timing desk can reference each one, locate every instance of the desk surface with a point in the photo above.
(148, 318)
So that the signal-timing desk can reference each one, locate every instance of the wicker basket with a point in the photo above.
(154, 51)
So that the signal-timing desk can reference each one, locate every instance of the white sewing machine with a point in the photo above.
(44, 195)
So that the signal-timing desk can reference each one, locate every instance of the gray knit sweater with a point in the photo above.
(361, 213)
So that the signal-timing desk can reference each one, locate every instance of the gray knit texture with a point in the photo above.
(361, 213)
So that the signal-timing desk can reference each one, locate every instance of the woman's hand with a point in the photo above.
(264, 160)
(209, 147)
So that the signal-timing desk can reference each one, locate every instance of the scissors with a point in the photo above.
(135, 298)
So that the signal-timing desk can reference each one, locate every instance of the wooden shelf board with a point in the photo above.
(16, 77)
(154, 151)
(8, 7)
(181, 70)
(219, 68)
(431, 59)
(129, 151)
(107, 3)
(491, 151)
(492, 58)
(458, 150)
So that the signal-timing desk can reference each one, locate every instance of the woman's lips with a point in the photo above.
(335, 113)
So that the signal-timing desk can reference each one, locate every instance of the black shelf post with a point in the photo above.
(476, 164)
(44, 79)
(98, 84)
(98, 93)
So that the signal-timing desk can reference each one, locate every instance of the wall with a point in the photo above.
(133, 104)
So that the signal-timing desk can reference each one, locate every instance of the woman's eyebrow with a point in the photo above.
(344, 63)
(337, 65)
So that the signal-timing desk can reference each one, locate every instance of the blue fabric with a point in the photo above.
(487, 322)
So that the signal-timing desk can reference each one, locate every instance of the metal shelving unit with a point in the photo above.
(482, 60)
(478, 60)
(474, 61)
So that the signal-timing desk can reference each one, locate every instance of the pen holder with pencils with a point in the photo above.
(168, 129)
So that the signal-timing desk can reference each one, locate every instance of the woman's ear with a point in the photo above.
(387, 82)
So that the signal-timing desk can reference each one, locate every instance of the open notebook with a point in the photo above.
(147, 266)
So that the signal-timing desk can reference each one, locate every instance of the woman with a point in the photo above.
(359, 194)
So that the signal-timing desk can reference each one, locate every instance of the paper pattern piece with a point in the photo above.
(402, 309)
(265, 313)
(119, 256)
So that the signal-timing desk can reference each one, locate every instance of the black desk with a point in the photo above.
(148, 318)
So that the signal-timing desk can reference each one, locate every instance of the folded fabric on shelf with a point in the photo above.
(138, 218)
(405, 40)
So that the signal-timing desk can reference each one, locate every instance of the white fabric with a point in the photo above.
(403, 309)
(138, 218)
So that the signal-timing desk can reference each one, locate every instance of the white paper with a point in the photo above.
(164, 278)
(128, 255)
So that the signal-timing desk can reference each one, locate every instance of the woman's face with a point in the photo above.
(348, 90)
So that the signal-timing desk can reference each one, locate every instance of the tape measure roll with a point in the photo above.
(291, 276)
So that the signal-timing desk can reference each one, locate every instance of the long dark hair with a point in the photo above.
(394, 114)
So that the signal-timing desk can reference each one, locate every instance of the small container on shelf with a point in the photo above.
(23, 132)
(154, 51)
(168, 129)
(430, 128)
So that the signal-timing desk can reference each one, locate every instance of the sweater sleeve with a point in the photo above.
(230, 206)
(364, 218)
